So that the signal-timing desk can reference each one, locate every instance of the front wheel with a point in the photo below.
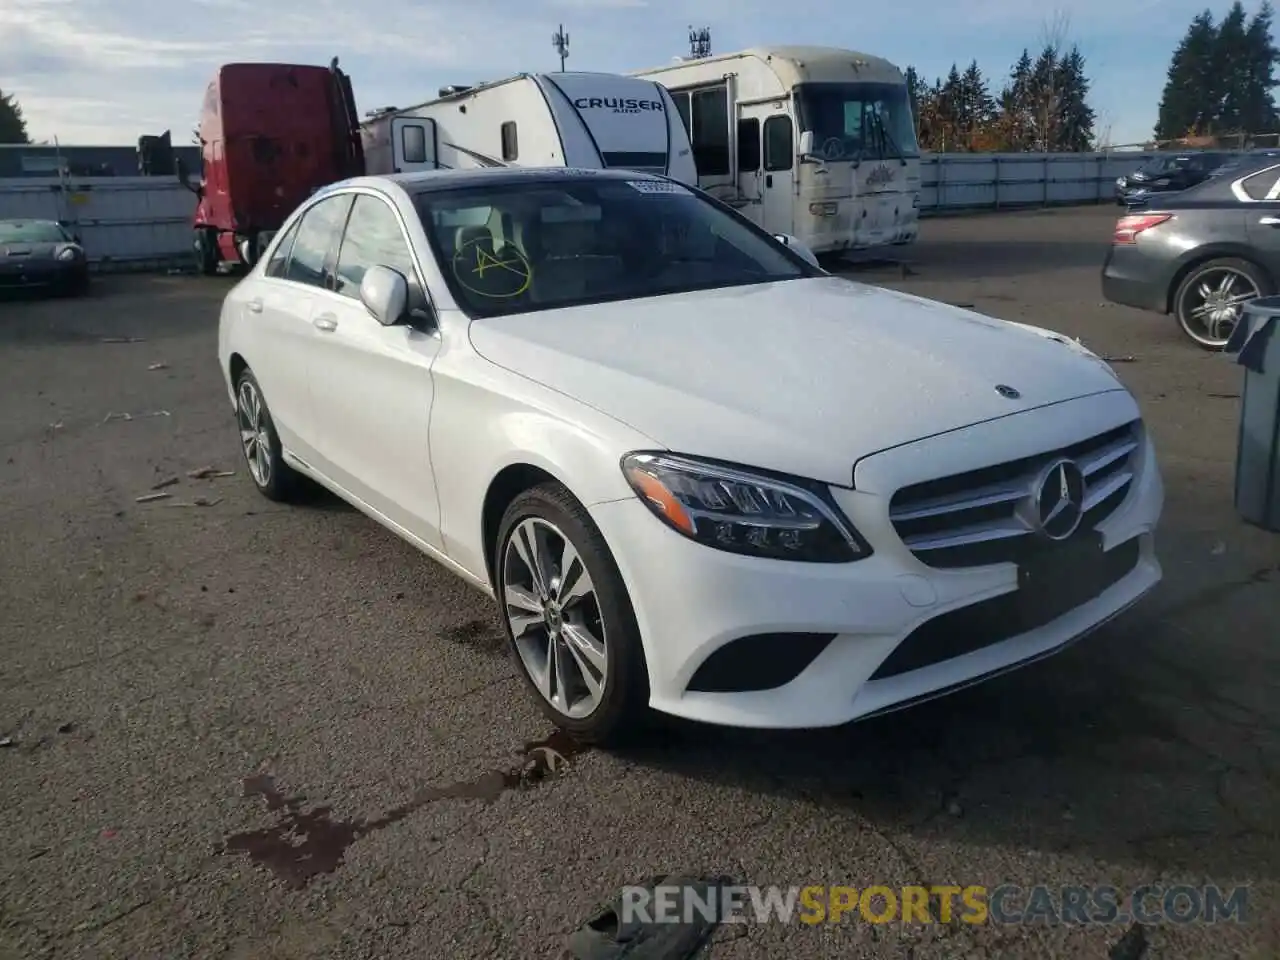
(1210, 300)
(568, 617)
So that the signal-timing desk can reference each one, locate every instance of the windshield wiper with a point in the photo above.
(888, 137)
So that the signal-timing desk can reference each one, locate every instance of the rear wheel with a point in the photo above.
(206, 251)
(1210, 300)
(260, 443)
(568, 617)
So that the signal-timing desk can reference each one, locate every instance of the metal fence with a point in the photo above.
(144, 222)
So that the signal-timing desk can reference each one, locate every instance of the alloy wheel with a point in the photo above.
(255, 434)
(1215, 304)
(551, 606)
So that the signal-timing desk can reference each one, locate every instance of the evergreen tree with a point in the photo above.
(1015, 106)
(917, 90)
(13, 127)
(1045, 99)
(1231, 71)
(975, 109)
(1257, 107)
(1074, 115)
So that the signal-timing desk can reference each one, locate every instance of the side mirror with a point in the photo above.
(385, 294)
(789, 241)
(806, 143)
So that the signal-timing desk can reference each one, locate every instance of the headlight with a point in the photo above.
(68, 253)
(742, 512)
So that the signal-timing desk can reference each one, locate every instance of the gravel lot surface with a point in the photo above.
(169, 671)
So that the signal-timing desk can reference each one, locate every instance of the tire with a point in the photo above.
(206, 247)
(274, 478)
(1189, 298)
(620, 709)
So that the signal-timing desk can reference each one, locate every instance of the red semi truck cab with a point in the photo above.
(270, 135)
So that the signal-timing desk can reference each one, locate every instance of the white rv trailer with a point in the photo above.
(588, 120)
(814, 142)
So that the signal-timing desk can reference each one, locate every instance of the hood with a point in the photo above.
(803, 377)
(26, 249)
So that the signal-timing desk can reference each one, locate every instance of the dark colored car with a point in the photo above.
(1169, 174)
(42, 254)
(1201, 254)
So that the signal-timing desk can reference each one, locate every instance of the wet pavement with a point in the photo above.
(234, 729)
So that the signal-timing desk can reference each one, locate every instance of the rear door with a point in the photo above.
(280, 301)
(1260, 196)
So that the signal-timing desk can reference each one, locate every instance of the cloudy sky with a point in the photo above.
(107, 71)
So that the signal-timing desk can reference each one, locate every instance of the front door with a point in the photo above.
(772, 182)
(371, 385)
(413, 144)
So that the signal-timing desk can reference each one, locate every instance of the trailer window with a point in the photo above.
(510, 146)
(748, 145)
(779, 146)
(710, 136)
(413, 140)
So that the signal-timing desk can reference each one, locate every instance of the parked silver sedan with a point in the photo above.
(42, 254)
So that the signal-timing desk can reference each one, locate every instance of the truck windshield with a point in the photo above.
(517, 248)
(858, 121)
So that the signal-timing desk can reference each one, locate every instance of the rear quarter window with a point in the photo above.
(1263, 185)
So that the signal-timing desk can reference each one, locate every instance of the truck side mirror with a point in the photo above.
(805, 146)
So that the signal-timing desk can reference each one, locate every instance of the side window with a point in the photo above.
(373, 238)
(710, 114)
(748, 145)
(510, 147)
(280, 256)
(682, 107)
(315, 240)
(779, 148)
(413, 138)
(1263, 185)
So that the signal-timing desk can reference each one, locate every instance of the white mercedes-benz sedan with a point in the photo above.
(698, 474)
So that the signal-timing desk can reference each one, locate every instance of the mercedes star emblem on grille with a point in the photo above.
(1007, 391)
(1058, 504)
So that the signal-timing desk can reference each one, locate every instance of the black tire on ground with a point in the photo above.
(206, 247)
(623, 711)
(1184, 296)
(274, 478)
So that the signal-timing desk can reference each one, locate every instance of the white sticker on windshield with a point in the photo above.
(658, 186)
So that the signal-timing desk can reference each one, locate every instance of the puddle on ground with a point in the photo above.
(304, 844)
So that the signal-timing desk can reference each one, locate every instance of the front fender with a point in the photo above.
(485, 419)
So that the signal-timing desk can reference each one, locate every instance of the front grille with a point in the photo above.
(972, 519)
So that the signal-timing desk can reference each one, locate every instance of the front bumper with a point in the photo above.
(690, 601)
(44, 273)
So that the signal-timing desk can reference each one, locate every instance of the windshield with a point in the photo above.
(31, 231)
(858, 121)
(517, 248)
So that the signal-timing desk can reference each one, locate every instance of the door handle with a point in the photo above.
(326, 322)
(1270, 221)
(254, 306)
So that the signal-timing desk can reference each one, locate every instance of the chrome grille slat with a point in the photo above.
(944, 521)
(978, 533)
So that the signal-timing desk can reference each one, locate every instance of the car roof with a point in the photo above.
(435, 181)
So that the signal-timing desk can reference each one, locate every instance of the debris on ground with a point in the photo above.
(198, 502)
(166, 482)
(1120, 359)
(152, 497)
(610, 935)
(1132, 946)
(209, 473)
(124, 340)
(129, 416)
(1223, 396)
(160, 365)
(6, 741)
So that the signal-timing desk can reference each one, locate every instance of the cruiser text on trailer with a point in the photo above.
(585, 120)
(814, 142)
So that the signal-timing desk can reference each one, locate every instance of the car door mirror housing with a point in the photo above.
(385, 294)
